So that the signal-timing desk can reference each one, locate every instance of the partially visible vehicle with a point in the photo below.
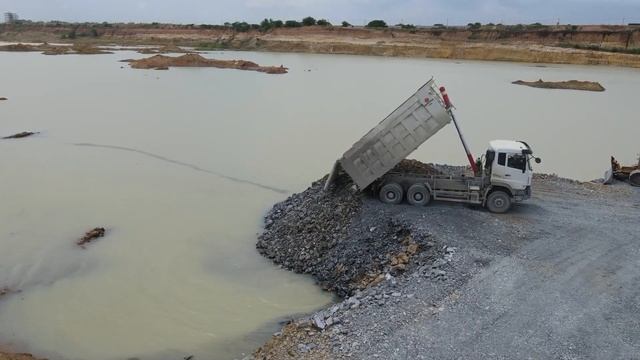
(623, 173)
(502, 177)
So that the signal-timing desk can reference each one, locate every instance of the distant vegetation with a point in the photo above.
(77, 32)
(308, 21)
(377, 24)
(95, 30)
(292, 24)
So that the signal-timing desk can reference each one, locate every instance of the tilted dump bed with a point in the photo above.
(394, 138)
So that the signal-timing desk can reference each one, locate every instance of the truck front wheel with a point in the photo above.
(391, 193)
(499, 202)
(418, 195)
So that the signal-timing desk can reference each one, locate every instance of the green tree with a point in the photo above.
(474, 26)
(346, 24)
(377, 24)
(308, 21)
(266, 24)
(292, 24)
(323, 22)
(240, 26)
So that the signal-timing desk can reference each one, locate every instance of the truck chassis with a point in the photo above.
(420, 189)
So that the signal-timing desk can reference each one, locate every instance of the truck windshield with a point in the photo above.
(517, 161)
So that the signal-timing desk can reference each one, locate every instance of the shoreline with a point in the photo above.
(616, 45)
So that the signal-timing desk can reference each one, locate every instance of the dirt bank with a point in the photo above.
(562, 44)
(476, 282)
(17, 356)
(568, 85)
(195, 60)
(46, 49)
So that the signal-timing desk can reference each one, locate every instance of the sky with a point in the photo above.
(357, 12)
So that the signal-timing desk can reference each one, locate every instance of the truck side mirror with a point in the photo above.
(538, 160)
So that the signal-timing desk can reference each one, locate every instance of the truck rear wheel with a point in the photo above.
(418, 195)
(391, 193)
(499, 202)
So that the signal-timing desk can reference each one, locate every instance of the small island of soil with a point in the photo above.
(47, 49)
(568, 85)
(16, 356)
(195, 60)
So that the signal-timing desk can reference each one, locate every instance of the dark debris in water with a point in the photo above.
(90, 236)
(20, 135)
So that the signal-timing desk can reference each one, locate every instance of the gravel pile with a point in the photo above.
(345, 246)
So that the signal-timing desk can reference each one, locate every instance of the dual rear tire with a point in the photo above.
(393, 193)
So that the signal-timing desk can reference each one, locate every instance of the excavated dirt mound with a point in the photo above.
(195, 60)
(342, 237)
(569, 85)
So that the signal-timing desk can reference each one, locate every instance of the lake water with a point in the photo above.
(181, 165)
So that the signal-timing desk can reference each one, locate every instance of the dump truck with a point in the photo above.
(501, 177)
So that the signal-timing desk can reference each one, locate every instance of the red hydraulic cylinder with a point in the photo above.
(448, 105)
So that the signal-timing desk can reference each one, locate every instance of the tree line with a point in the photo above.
(268, 24)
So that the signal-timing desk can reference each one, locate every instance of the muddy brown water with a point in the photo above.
(180, 166)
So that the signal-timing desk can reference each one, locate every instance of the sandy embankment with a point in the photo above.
(47, 49)
(551, 44)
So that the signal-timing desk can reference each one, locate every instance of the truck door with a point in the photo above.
(508, 169)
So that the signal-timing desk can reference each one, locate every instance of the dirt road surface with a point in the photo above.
(557, 278)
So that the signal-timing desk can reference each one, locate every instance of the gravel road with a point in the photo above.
(555, 278)
(566, 290)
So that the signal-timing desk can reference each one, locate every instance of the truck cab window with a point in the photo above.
(517, 161)
(502, 158)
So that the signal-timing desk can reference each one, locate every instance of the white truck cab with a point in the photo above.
(508, 165)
